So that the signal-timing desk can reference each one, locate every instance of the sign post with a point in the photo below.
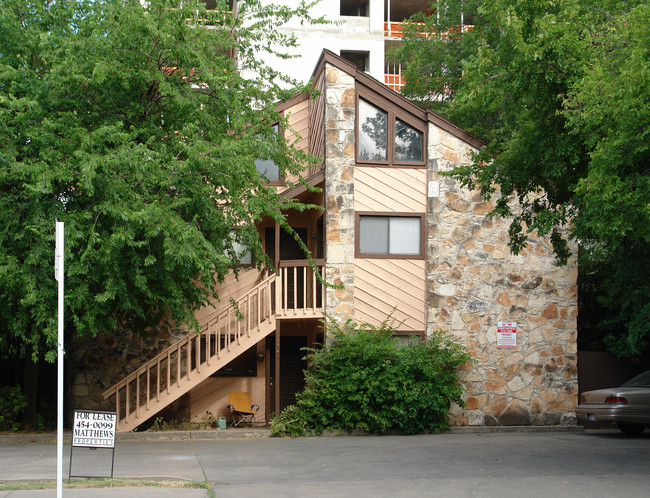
(59, 274)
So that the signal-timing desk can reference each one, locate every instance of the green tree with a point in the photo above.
(135, 127)
(560, 92)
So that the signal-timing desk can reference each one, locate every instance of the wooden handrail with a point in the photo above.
(176, 347)
(294, 292)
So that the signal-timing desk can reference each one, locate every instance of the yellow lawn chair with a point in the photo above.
(241, 409)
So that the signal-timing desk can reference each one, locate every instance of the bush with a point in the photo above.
(365, 380)
(12, 404)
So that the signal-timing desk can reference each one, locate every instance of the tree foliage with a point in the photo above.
(366, 380)
(134, 126)
(560, 91)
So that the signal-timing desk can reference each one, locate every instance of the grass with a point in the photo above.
(102, 483)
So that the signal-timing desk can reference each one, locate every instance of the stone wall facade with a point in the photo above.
(339, 192)
(474, 282)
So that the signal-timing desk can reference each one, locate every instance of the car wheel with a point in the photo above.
(631, 430)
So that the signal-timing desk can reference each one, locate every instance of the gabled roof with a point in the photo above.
(376, 86)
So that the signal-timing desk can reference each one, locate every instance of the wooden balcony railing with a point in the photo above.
(394, 81)
(301, 293)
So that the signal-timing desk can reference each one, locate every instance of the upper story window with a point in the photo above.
(408, 143)
(390, 235)
(384, 138)
(358, 58)
(266, 166)
(243, 253)
(357, 8)
(373, 132)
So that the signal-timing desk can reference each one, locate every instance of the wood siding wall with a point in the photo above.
(232, 287)
(381, 284)
(317, 119)
(212, 394)
(298, 117)
(390, 189)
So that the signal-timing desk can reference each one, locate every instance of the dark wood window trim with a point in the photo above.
(357, 235)
(394, 112)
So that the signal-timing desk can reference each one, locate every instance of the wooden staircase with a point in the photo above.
(225, 334)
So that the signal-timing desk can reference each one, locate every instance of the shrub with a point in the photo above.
(12, 404)
(365, 380)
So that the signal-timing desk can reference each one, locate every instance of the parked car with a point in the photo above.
(628, 406)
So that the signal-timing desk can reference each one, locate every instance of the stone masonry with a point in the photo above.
(474, 282)
(339, 192)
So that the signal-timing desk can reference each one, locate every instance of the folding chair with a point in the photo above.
(241, 409)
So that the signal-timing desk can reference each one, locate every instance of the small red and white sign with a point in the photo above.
(507, 335)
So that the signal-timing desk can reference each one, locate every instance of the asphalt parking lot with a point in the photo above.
(504, 464)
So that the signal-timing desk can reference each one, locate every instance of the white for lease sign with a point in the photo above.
(94, 429)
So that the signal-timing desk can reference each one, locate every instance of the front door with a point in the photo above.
(292, 365)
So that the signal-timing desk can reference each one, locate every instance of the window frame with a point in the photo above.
(357, 236)
(393, 113)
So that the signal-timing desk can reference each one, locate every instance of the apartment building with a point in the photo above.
(360, 31)
(397, 237)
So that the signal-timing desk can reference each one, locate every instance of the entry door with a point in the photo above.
(292, 379)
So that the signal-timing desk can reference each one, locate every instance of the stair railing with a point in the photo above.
(222, 332)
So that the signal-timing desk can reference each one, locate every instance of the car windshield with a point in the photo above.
(642, 380)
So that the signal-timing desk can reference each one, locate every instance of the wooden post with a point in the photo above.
(277, 368)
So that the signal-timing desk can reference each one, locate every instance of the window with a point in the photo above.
(244, 365)
(212, 5)
(266, 166)
(382, 137)
(243, 253)
(408, 143)
(356, 8)
(359, 59)
(373, 132)
(390, 235)
(407, 338)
